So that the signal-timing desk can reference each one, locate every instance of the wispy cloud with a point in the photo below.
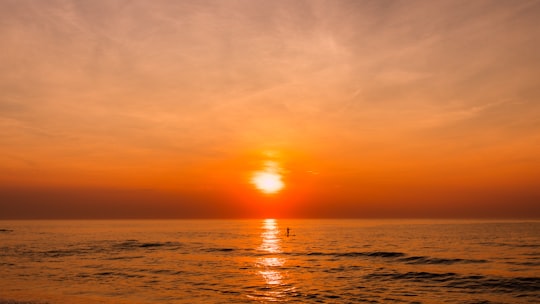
(184, 80)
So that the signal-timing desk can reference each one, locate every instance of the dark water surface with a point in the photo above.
(246, 261)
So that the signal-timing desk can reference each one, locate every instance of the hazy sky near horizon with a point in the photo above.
(371, 108)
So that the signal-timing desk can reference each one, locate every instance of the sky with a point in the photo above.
(366, 109)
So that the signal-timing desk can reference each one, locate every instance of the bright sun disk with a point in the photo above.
(267, 182)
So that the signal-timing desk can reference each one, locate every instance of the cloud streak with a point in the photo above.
(94, 88)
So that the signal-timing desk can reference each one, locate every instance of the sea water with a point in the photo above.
(255, 261)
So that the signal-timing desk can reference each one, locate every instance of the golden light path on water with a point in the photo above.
(269, 265)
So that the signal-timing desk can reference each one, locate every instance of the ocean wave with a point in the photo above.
(135, 244)
(383, 254)
(514, 245)
(414, 276)
(400, 257)
(117, 274)
(219, 249)
(2, 301)
(124, 257)
(101, 248)
(415, 260)
(59, 253)
(472, 282)
(526, 263)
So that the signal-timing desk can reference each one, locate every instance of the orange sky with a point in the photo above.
(134, 109)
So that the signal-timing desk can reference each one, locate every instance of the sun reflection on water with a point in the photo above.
(270, 237)
(271, 243)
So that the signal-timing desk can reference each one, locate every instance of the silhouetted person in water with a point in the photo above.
(288, 231)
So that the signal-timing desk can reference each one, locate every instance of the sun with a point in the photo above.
(267, 182)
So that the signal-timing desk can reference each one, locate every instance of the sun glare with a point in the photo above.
(269, 180)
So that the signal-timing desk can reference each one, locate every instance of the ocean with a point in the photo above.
(255, 261)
